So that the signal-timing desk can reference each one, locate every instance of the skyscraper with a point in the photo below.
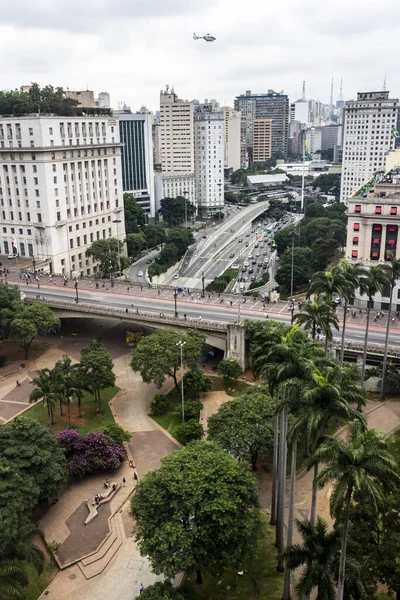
(232, 125)
(266, 106)
(209, 158)
(176, 147)
(137, 157)
(368, 125)
(262, 140)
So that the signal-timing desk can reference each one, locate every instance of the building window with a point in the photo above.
(356, 227)
(377, 228)
(354, 254)
(355, 241)
(374, 255)
(393, 210)
(357, 208)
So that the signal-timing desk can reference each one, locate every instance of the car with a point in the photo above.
(204, 237)
(258, 253)
(251, 270)
(140, 273)
(176, 276)
(265, 267)
(247, 244)
(260, 264)
(11, 256)
(266, 260)
(244, 269)
(232, 255)
(253, 278)
(265, 253)
(241, 287)
(148, 261)
(250, 256)
(245, 278)
(254, 262)
(253, 231)
(240, 240)
(277, 259)
(246, 264)
(255, 245)
(248, 234)
(261, 245)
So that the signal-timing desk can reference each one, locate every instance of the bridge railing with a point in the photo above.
(133, 315)
(357, 347)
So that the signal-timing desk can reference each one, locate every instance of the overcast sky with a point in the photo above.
(133, 48)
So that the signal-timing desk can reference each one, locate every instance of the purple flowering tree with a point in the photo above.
(89, 454)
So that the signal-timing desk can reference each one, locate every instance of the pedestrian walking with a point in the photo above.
(106, 483)
(141, 589)
(200, 318)
(18, 383)
(124, 481)
(135, 477)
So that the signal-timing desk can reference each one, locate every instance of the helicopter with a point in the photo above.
(207, 37)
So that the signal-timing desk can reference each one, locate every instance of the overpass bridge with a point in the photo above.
(227, 336)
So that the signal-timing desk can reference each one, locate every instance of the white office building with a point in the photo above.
(299, 111)
(368, 125)
(60, 188)
(176, 148)
(209, 161)
(232, 124)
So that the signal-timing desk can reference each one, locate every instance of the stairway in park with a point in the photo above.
(93, 564)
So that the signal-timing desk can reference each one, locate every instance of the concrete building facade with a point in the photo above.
(299, 111)
(209, 161)
(176, 147)
(262, 140)
(60, 188)
(136, 134)
(368, 123)
(84, 97)
(232, 128)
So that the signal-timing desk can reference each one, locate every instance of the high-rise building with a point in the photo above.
(266, 106)
(299, 111)
(60, 188)
(368, 123)
(262, 140)
(232, 149)
(137, 157)
(84, 97)
(176, 147)
(331, 137)
(314, 139)
(209, 159)
(103, 100)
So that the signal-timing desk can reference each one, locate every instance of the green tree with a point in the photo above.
(10, 305)
(17, 493)
(181, 238)
(96, 369)
(229, 369)
(328, 183)
(189, 431)
(157, 356)
(303, 258)
(108, 254)
(135, 242)
(328, 283)
(319, 316)
(160, 591)
(15, 537)
(38, 100)
(155, 235)
(353, 276)
(244, 426)
(358, 465)
(169, 254)
(46, 390)
(117, 433)
(68, 383)
(134, 215)
(373, 282)
(393, 274)
(32, 450)
(199, 511)
(32, 320)
(173, 210)
(195, 381)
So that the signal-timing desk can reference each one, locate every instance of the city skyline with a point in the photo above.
(133, 49)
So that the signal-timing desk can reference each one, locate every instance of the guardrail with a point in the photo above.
(133, 315)
(357, 347)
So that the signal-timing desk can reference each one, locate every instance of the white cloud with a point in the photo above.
(132, 48)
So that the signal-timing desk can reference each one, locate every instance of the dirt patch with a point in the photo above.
(16, 356)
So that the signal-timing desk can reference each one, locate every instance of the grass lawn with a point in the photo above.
(90, 420)
(38, 583)
(261, 567)
(393, 442)
(232, 387)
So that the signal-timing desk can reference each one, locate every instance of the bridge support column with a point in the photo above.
(236, 344)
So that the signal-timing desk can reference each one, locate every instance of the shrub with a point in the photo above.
(229, 369)
(160, 591)
(189, 431)
(192, 409)
(159, 405)
(117, 433)
(196, 381)
(3, 360)
(89, 454)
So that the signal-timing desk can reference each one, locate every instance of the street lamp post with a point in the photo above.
(181, 344)
(292, 234)
(185, 194)
(76, 291)
(175, 298)
(119, 254)
(202, 284)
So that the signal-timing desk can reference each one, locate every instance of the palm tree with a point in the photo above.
(360, 464)
(393, 274)
(327, 283)
(317, 553)
(329, 394)
(374, 281)
(46, 390)
(318, 315)
(67, 383)
(12, 579)
(353, 275)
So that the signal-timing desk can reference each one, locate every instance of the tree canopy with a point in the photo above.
(38, 100)
(31, 320)
(157, 356)
(197, 511)
(244, 426)
(328, 183)
(134, 215)
(173, 210)
(108, 253)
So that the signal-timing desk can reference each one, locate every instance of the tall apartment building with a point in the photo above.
(299, 111)
(368, 123)
(262, 140)
(266, 106)
(314, 139)
(60, 188)
(209, 160)
(176, 147)
(331, 137)
(232, 148)
(136, 134)
(103, 100)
